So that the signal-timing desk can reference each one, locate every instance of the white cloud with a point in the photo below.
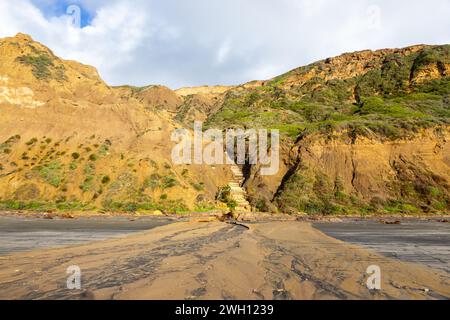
(196, 42)
(224, 51)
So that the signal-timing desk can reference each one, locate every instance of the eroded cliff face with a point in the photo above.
(69, 141)
(318, 175)
(29, 66)
(362, 132)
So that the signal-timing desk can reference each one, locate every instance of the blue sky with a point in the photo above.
(206, 42)
(52, 9)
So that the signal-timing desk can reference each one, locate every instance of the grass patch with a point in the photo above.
(156, 181)
(88, 184)
(106, 179)
(52, 173)
(198, 186)
(75, 155)
(224, 195)
(89, 168)
(42, 206)
(166, 206)
(204, 207)
(31, 142)
(168, 182)
(41, 64)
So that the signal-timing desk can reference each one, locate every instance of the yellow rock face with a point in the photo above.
(80, 140)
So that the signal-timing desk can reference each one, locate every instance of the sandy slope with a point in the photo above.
(192, 260)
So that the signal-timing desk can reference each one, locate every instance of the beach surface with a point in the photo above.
(420, 241)
(19, 234)
(216, 260)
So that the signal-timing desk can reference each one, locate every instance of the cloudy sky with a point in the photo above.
(197, 42)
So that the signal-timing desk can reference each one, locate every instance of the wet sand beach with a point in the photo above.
(413, 240)
(214, 260)
(27, 233)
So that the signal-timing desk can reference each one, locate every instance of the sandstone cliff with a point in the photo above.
(71, 142)
(363, 132)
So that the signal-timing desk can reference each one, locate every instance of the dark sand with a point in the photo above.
(425, 242)
(19, 234)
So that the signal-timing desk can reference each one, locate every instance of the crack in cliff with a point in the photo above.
(292, 170)
(353, 173)
(353, 162)
(286, 178)
(441, 68)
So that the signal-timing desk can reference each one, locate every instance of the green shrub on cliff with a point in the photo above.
(40, 64)
(52, 173)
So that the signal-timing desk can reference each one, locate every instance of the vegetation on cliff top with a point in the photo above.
(384, 102)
